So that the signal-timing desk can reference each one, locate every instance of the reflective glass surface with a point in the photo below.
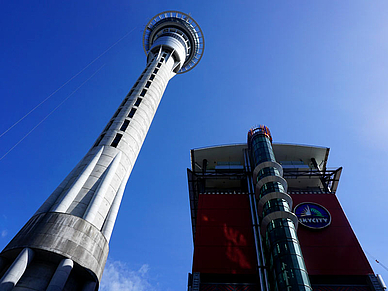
(284, 255)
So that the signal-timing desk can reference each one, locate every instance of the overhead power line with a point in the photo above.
(377, 261)
(64, 84)
(52, 111)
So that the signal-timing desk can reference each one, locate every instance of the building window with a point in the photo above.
(137, 83)
(148, 84)
(156, 71)
(117, 139)
(124, 125)
(143, 92)
(138, 101)
(158, 65)
(152, 77)
(99, 139)
(164, 54)
(132, 112)
(162, 59)
(130, 92)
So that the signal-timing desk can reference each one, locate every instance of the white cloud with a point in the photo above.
(117, 277)
(4, 233)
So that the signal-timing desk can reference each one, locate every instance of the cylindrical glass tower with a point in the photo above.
(277, 222)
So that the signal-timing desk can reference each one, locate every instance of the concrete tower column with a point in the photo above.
(70, 232)
(61, 275)
(16, 270)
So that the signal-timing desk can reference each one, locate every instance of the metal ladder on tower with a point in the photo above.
(196, 282)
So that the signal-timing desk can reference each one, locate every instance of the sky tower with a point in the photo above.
(64, 246)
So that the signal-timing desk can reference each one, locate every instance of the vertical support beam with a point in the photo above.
(95, 204)
(113, 211)
(260, 239)
(61, 275)
(68, 197)
(50, 201)
(16, 270)
(255, 224)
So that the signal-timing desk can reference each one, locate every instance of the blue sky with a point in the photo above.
(313, 71)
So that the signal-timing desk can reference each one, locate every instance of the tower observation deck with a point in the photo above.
(64, 246)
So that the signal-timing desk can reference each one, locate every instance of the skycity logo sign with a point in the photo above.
(312, 215)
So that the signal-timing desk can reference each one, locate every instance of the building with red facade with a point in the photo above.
(265, 215)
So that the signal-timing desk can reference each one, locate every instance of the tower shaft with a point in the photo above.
(64, 246)
(97, 182)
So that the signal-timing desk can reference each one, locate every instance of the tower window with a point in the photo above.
(138, 101)
(124, 125)
(158, 65)
(148, 84)
(143, 92)
(162, 59)
(152, 77)
(156, 71)
(99, 139)
(117, 139)
(132, 112)
(164, 54)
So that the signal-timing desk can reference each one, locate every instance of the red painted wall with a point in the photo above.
(333, 250)
(224, 242)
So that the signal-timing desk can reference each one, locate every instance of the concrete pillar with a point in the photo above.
(67, 199)
(46, 206)
(95, 204)
(16, 270)
(61, 275)
(113, 211)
